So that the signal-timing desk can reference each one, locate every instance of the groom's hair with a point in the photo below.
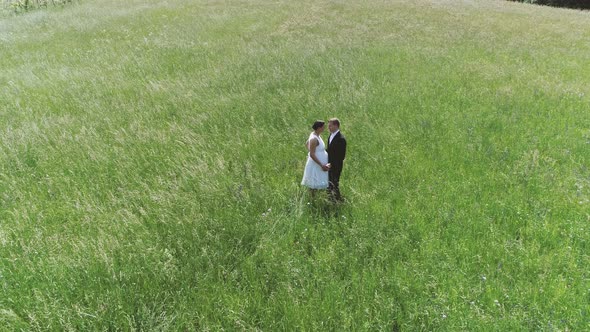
(335, 121)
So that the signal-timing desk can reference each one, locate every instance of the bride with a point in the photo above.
(315, 175)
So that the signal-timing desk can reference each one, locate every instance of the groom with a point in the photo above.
(336, 154)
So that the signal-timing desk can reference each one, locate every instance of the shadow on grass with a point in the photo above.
(572, 4)
(322, 209)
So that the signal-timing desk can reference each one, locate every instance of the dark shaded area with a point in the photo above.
(577, 4)
(26, 5)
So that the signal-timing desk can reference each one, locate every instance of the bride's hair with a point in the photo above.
(317, 124)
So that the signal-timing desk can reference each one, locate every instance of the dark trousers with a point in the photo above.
(334, 184)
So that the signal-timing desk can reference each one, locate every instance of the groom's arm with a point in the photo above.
(342, 148)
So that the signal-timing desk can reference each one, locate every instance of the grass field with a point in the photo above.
(151, 154)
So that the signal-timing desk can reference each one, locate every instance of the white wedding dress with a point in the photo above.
(314, 176)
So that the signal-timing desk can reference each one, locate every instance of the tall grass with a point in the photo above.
(21, 6)
(151, 154)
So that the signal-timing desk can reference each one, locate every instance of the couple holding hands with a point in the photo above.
(324, 165)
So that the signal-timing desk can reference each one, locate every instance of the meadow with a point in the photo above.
(151, 154)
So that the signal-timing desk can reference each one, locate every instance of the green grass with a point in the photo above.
(151, 154)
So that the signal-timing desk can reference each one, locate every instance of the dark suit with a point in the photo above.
(336, 154)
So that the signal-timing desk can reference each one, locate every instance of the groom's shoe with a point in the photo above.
(333, 197)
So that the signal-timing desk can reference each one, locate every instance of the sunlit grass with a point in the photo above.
(151, 154)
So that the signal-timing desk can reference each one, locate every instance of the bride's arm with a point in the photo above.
(312, 145)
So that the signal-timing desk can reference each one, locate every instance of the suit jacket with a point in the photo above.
(337, 150)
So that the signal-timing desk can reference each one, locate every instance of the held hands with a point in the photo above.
(326, 167)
